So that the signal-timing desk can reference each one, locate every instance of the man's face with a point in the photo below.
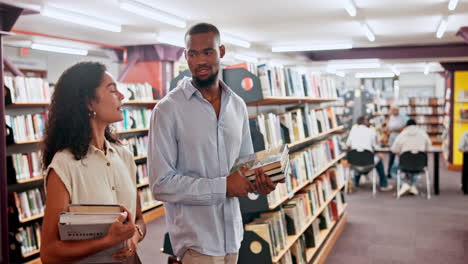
(203, 54)
(395, 111)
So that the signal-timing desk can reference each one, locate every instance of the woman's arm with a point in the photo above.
(53, 250)
(139, 222)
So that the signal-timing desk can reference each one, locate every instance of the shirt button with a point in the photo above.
(113, 188)
(108, 164)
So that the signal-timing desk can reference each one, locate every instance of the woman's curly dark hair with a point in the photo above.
(68, 125)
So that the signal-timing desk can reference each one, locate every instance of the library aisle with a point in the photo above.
(410, 230)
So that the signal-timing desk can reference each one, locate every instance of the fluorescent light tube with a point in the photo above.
(336, 46)
(350, 7)
(152, 13)
(78, 18)
(452, 4)
(246, 58)
(235, 41)
(442, 27)
(362, 75)
(52, 48)
(368, 31)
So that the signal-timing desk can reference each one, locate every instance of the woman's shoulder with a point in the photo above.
(121, 150)
(64, 155)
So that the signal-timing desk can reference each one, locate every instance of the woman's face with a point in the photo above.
(108, 102)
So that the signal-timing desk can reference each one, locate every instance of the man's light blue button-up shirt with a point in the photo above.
(190, 154)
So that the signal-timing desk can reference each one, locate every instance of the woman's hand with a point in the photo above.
(122, 229)
(129, 250)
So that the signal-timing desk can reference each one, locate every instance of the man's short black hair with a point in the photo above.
(361, 120)
(410, 122)
(203, 28)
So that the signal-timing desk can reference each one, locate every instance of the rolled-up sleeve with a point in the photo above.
(167, 184)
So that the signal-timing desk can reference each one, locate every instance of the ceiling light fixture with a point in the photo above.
(368, 31)
(152, 13)
(350, 7)
(235, 41)
(365, 64)
(452, 4)
(246, 58)
(362, 75)
(442, 27)
(78, 18)
(315, 47)
(53, 48)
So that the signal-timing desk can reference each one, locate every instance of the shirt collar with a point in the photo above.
(107, 144)
(189, 90)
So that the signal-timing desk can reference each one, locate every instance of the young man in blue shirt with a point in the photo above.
(197, 132)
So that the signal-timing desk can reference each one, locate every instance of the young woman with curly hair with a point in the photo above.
(84, 163)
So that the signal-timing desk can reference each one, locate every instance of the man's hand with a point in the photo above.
(263, 183)
(237, 184)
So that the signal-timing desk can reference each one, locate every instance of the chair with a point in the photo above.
(363, 162)
(413, 162)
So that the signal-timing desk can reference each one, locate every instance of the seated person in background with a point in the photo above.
(395, 124)
(362, 137)
(413, 139)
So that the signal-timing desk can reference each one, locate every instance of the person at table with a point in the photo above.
(413, 139)
(395, 125)
(363, 137)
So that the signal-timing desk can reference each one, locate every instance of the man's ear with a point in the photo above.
(222, 51)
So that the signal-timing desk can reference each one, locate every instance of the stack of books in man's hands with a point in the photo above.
(85, 222)
(274, 162)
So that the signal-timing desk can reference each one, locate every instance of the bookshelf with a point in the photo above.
(46, 104)
(294, 238)
(311, 143)
(290, 100)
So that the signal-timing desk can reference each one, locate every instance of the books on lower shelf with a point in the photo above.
(134, 119)
(89, 224)
(29, 203)
(27, 165)
(28, 89)
(304, 168)
(138, 146)
(29, 237)
(142, 175)
(429, 120)
(146, 198)
(27, 127)
(136, 91)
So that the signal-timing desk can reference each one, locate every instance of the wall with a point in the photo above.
(419, 84)
(460, 83)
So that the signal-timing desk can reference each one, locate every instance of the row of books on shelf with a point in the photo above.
(37, 90)
(142, 175)
(431, 128)
(429, 119)
(134, 119)
(280, 81)
(28, 89)
(291, 81)
(302, 218)
(29, 203)
(432, 101)
(27, 127)
(418, 110)
(304, 167)
(146, 198)
(136, 91)
(26, 165)
(29, 238)
(295, 125)
(138, 146)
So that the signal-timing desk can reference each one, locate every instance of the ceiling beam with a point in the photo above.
(396, 52)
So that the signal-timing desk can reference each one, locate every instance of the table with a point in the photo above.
(436, 152)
